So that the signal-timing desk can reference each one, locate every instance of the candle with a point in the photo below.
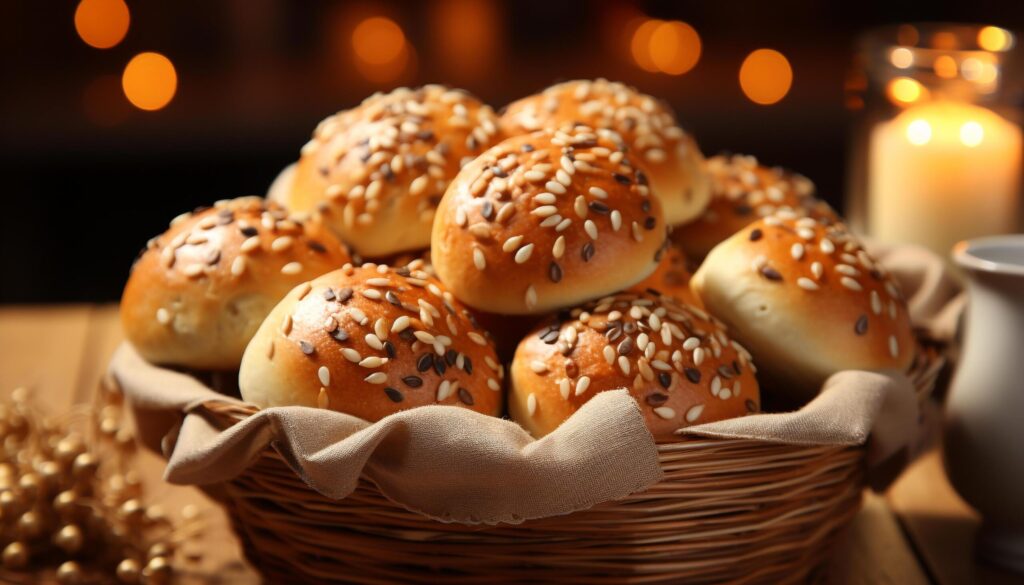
(942, 172)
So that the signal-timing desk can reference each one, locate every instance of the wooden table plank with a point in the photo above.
(874, 550)
(942, 525)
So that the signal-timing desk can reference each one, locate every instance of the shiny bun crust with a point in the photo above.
(200, 290)
(807, 300)
(371, 341)
(671, 277)
(377, 172)
(743, 191)
(677, 361)
(668, 154)
(547, 220)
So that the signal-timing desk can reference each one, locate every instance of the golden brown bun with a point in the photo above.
(201, 289)
(741, 192)
(671, 277)
(377, 171)
(669, 155)
(677, 362)
(371, 341)
(807, 301)
(544, 221)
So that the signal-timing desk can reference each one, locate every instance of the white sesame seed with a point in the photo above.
(616, 219)
(372, 362)
(591, 228)
(250, 244)
(351, 355)
(609, 354)
(691, 343)
(163, 316)
(322, 399)
(599, 192)
(544, 211)
(538, 367)
(291, 268)
(637, 234)
(725, 394)
(817, 270)
(579, 205)
(523, 254)
(665, 412)
(694, 413)
(376, 378)
(373, 341)
(418, 185)
(555, 187)
(661, 365)
(531, 297)
(876, 303)
(559, 247)
(892, 309)
(193, 270)
(894, 346)
(286, 325)
(797, 251)
(582, 385)
(805, 233)
(424, 337)
(698, 356)
(544, 198)
(563, 388)
(478, 259)
(716, 386)
(477, 338)
(654, 321)
(512, 243)
(847, 270)
(359, 316)
(378, 281)
(563, 177)
(281, 243)
(531, 404)
(324, 375)
(850, 283)
(493, 384)
(624, 364)
(534, 176)
(372, 293)
(806, 283)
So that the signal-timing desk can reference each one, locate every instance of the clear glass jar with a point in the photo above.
(936, 154)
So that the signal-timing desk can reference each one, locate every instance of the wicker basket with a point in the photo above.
(733, 511)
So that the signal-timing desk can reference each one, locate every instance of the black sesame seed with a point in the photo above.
(393, 394)
(526, 148)
(736, 367)
(550, 336)
(588, 251)
(625, 346)
(340, 334)
(465, 396)
(213, 257)
(487, 210)
(756, 234)
(630, 328)
(450, 356)
(249, 231)
(329, 294)
(645, 206)
(389, 348)
(613, 333)
(439, 365)
(316, 246)
(385, 170)
(622, 178)
(424, 362)
(692, 374)
(751, 406)
(555, 272)
(425, 135)
(499, 172)
(656, 398)
(641, 177)
(743, 209)
(306, 347)
(392, 298)
(571, 369)
(413, 381)
(654, 291)
(598, 207)
(771, 274)
(725, 372)
(861, 327)
(665, 379)
(467, 364)
(344, 295)
(650, 222)
(407, 334)
(876, 274)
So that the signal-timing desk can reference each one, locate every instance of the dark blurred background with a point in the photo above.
(90, 176)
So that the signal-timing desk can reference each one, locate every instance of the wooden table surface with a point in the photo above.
(918, 532)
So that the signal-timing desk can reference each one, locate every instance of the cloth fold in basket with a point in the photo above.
(456, 465)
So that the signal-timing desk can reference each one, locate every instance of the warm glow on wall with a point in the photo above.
(102, 23)
(381, 51)
(149, 81)
(766, 76)
(466, 50)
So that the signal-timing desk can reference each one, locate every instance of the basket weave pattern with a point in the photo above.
(726, 511)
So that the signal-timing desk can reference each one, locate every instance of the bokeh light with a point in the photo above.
(149, 81)
(378, 41)
(901, 57)
(904, 90)
(919, 132)
(640, 46)
(766, 76)
(971, 134)
(907, 35)
(102, 23)
(995, 39)
(945, 66)
(674, 47)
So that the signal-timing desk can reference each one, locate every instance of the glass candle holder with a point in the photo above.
(937, 138)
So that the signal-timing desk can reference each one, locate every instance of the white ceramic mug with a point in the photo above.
(984, 429)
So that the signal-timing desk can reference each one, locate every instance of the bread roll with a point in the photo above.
(807, 300)
(546, 220)
(677, 361)
(669, 155)
(671, 277)
(200, 290)
(742, 191)
(376, 172)
(371, 341)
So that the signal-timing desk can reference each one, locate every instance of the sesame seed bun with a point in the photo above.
(741, 192)
(545, 221)
(200, 290)
(377, 171)
(669, 155)
(807, 300)
(671, 277)
(677, 362)
(371, 341)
